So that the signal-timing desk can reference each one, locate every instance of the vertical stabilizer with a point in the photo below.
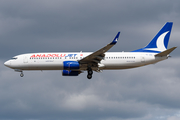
(160, 42)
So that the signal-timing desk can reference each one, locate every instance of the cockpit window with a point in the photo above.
(14, 58)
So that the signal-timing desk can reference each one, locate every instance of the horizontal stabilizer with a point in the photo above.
(166, 52)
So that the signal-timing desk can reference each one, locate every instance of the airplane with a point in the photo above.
(74, 63)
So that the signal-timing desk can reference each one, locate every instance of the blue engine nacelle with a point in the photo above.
(70, 73)
(71, 65)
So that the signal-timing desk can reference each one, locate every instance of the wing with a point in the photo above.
(97, 56)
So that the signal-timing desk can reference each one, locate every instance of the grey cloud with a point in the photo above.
(120, 94)
(146, 93)
(44, 26)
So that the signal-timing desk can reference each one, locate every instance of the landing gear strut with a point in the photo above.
(18, 70)
(90, 72)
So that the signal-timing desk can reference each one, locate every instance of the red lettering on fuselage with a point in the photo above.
(43, 55)
(48, 55)
(62, 55)
(38, 55)
(33, 56)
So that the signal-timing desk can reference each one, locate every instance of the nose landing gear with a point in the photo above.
(22, 74)
(17, 70)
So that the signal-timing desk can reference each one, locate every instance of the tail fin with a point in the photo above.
(160, 42)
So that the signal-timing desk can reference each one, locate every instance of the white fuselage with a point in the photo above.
(54, 61)
(72, 64)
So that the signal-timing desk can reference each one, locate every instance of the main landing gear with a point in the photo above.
(90, 72)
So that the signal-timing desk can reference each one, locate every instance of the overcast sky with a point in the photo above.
(146, 93)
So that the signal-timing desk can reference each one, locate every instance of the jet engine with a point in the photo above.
(70, 73)
(71, 65)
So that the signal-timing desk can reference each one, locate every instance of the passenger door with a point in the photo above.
(25, 60)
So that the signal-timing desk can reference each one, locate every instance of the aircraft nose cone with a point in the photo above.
(7, 63)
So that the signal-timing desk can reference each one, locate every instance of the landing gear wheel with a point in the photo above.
(90, 72)
(89, 76)
(21, 74)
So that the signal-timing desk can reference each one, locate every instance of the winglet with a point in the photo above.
(97, 56)
(166, 52)
(115, 39)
